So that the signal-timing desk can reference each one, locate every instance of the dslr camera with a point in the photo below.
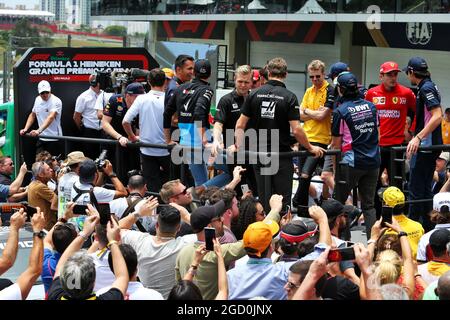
(100, 162)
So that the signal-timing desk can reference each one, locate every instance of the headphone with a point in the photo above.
(94, 81)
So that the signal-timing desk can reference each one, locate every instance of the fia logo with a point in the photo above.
(268, 109)
(419, 32)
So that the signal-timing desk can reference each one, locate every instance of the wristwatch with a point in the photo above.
(402, 233)
(112, 175)
(39, 234)
(136, 215)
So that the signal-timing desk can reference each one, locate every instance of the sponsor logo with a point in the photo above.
(186, 105)
(235, 106)
(402, 100)
(268, 109)
(379, 100)
(395, 100)
(430, 96)
(419, 32)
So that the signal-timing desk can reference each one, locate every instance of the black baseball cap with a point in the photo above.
(416, 64)
(135, 88)
(87, 171)
(348, 81)
(202, 68)
(297, 231)
(202, 216)
(332, 208)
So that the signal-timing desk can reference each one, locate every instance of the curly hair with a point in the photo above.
(247, 212)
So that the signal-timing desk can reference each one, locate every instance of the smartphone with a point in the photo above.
(288, 208)
(341, 254)
(210, 234)
(349, 244)
(105, 213)
(386, 213)
(245, 188)
(80, 209)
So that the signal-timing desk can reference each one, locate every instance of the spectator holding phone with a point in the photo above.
(7, 190)
(23, 285)
(206, 278)
(78, 267)
(179, 293)
(393, 208)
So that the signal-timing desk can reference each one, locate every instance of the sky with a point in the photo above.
(12, 3)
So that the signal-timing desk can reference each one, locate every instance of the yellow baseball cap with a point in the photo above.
(393, 196)
(258, 235)
(169, 73)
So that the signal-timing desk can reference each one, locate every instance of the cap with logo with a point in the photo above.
(392, 196)
(135, 88)
(441, 202)
(332, 207)
(202, 68)
(389, 66)
(297, 231)
(74, 157)
(259, 235)
(336, 69)
(347, 80)
(416, 64)
(44, 86)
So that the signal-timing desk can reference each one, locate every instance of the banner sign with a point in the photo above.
(68, 71)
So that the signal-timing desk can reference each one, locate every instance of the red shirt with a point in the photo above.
(392, 108)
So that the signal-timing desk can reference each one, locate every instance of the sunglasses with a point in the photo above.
(181, 193)
(291, 285)
(315, 77)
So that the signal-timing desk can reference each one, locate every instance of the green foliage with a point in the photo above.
(25, 35)
(119, 31)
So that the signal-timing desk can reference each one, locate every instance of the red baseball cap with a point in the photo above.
(389, 66)
(255, 75)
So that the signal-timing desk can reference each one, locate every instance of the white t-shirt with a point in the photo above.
(42, 109)
(136, 291)
(103, 274)
(425, 239)
(156, 262)
(11, 293)
(65, 191)
(102, 195)
(86, 106)
(118, 207)
(102, 100)
(150, 108)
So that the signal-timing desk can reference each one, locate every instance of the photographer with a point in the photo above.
(83, 190)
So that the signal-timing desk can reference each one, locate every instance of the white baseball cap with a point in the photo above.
(445, 156)
(44, 86)
(441, 199)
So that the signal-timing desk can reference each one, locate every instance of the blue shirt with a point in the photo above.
(4, 192)
(262, 278)
(356, 121)
(49, 263)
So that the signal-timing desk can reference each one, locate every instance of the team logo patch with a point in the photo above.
(119, 99)
(235, 105)
(395, 100)
(268, 109)
(379, 100)
(119, 108)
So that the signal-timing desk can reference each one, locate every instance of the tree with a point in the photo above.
(119, 31)
(25, 35)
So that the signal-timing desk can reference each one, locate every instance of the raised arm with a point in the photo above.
(119, 265)
(9, 255)
(17, 183)
(27, 279)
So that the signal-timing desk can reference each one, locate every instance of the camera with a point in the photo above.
(100, 162)
(117, 80)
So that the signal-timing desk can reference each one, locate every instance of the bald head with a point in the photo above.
(443, 287)
(136, 182)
